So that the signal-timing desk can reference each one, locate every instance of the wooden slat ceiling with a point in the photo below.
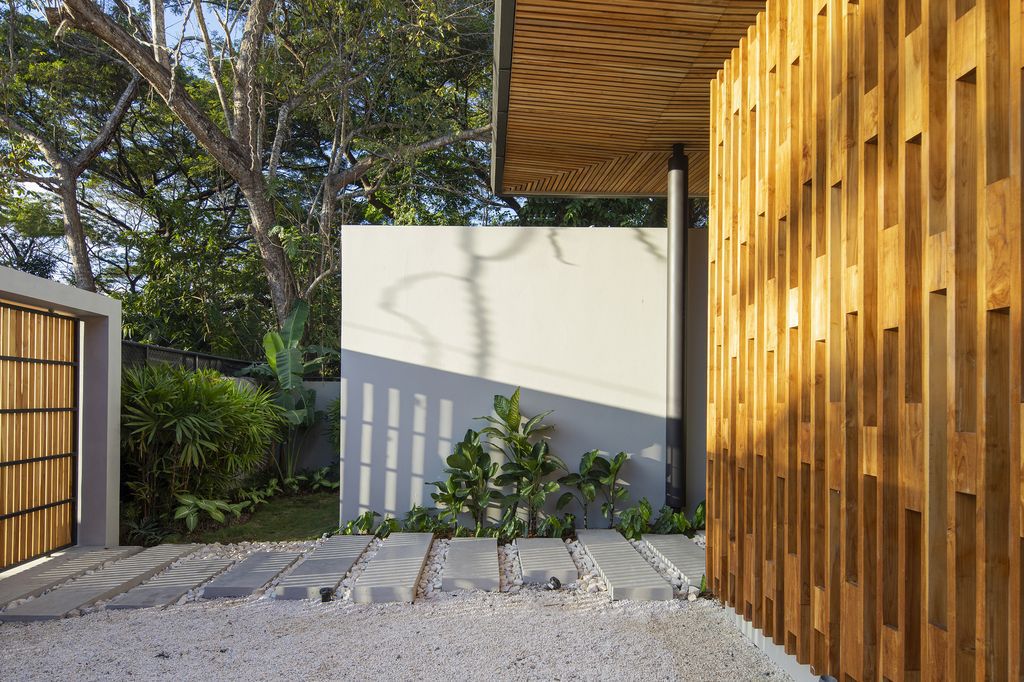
(598, 91)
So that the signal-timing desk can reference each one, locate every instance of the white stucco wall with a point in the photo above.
(436, 320)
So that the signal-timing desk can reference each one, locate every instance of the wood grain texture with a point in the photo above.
(600, 91)
(865, 361)
(38, 357)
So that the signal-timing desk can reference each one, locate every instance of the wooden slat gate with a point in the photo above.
(38, 432)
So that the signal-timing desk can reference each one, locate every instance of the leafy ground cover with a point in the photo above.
(302, 517)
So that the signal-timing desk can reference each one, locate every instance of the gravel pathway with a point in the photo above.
(531, 635)
(520, 633)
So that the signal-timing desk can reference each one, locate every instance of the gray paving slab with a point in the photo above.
(681, 552)
(323, 567)
(171, 585)
(105, 583)
(393, 572)
(471, 564)
(249, 575)
(544, 558)
(627, 574)
(69, 564)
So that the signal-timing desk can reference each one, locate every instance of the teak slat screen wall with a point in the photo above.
(38, 410)
(865, 374)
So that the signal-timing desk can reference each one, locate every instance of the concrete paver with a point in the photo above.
(472, 564)
(323, 567)
(249, 575)
(393, 572)
(108, 582)
(69, 564)
(627, 574)
(544, 558)
(171, 585)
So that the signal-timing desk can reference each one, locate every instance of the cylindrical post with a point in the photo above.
(675, 435)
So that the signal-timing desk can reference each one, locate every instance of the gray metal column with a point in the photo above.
(678, 219)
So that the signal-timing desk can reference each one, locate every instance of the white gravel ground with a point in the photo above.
(430, 578)
(590, 580)
(520, 633)
(532, 635)
(510, 569)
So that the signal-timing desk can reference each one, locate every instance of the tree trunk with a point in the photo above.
(74, 232)
(275, 261)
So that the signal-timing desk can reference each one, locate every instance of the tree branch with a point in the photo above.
(316, 282)
(50, 152)
(335, 181)
(86, 15)
(110, 126)
(214, 66)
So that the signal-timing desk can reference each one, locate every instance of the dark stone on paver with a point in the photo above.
(471, 564)
(105, 583)
(171, 585)
(393, 572)
(325, 566)
(546, 558)
(69, 564)
(250, 575)
(627, 574)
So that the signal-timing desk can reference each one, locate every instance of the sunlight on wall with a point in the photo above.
(438, 320)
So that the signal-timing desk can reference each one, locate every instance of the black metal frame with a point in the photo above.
(40, 458)
(74, 454)
(190, 359)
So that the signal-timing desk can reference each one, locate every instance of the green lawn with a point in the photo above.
(305, 517)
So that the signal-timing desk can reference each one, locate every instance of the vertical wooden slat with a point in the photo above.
(866, 359)
(36, 374)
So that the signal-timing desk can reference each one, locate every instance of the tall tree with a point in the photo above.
(56, 119)
(278, 64)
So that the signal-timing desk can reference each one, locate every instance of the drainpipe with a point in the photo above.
(675, 436)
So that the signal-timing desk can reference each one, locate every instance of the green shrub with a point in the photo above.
(189, 433)
(529, 462)
(366, 524)
(670, 522)
(614, 488)
(468, 488)
(420, 519)
(555, 527)
(635, 521)
(597, 474)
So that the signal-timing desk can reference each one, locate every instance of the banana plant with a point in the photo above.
(286, 366)
(584, 485)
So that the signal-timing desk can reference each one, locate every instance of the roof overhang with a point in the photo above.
(590, 95)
